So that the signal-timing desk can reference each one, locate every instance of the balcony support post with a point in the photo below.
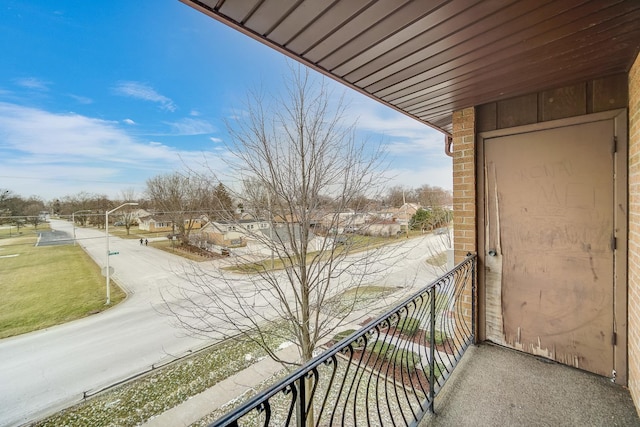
(302, 402)
(473, 298)
(432, 349)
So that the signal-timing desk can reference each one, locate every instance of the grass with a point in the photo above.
(438, 260)
(356, 299)
(135, 402)
(135, 233)
(47, 286)
(26, 230)
(356, 243)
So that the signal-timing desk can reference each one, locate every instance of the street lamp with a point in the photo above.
(106, 234)
(73, 220)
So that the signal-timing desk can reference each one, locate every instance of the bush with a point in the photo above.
(438, 369)
(407, 359)
(383, 348)
(342, 335)
(408, 326)
(440, 337)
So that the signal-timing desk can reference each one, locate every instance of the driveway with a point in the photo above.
(45, 371)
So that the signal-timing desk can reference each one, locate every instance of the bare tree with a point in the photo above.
(396, 196)
(433, 196)
(33, 209)
(128, 214)
(294, 159)
(182, 198)
(84, 201)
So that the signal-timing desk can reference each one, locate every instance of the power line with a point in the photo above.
(52, 178)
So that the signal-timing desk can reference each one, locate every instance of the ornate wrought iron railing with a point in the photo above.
(387, 373)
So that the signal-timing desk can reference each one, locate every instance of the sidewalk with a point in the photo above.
(232, 388)
(224, 392)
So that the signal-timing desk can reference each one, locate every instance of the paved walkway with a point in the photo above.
(222, 393)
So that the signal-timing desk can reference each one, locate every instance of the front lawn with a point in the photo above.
(46, 286)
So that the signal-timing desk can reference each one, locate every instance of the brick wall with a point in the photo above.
(634, 232)
(464, 183)
(464, 195)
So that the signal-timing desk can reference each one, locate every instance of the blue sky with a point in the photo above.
(98, 96)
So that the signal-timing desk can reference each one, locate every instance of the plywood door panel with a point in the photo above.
(548, 236)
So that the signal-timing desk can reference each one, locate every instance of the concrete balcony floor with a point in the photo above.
(494, 386)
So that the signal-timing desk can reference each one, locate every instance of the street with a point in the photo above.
(45, 371)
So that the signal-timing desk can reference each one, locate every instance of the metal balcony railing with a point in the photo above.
(387, 373)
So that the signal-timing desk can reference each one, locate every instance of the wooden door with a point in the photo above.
(549, 243)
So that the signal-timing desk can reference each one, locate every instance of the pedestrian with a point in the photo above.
(141, 241)
(146, 242)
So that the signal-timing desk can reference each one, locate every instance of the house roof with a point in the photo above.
(237, 221)
(430, 58)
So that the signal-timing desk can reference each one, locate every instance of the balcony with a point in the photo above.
(416, 366)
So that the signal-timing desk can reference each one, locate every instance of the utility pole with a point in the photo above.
(404, 204)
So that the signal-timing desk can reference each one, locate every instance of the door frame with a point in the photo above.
(620, 219)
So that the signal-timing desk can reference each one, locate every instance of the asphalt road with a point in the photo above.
(54, 237)
(45, 371)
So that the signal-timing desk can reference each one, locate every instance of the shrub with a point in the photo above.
(408, 326)
(342, 335)
(383, 348)
(407, 359)
(440, 337)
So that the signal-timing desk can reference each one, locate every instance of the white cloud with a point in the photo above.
(215, 140)
(52, 155)
(438, 175)
(188, 126)
(144, 92)
(194, 113)
(82, 99)
(129, 122)
(415, 151)
(32, 83)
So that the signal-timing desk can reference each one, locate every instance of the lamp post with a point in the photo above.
(106, 234)
(73, 220)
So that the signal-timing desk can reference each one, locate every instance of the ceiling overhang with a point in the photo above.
(428, 59)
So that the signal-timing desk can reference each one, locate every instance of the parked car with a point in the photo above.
(350, 229)
(118, 223)
(341, 240)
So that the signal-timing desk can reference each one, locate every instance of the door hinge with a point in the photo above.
(615, 144)
(614, 243)
(614, 339)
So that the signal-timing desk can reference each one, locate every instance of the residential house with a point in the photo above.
(404, 213)
(285, 234)
(139, 213)
(229, 233)
(381, 228)
(162, 223)
(338, 222)
(539, 107)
